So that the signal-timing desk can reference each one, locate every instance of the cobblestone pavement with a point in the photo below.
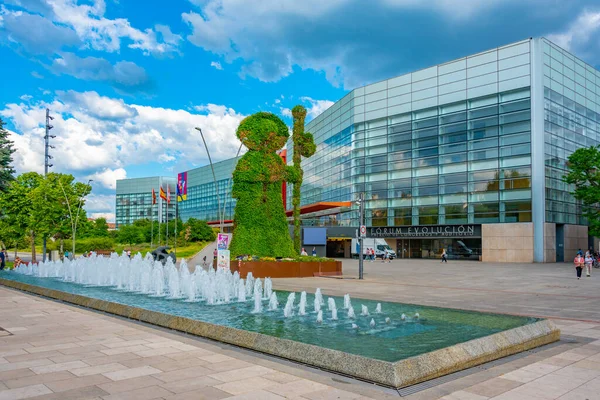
(51, 350)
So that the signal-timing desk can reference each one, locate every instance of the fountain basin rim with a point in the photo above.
(398, 374)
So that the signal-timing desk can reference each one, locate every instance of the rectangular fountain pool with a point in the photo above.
(399, 332)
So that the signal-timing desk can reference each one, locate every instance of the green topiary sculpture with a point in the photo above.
(260, 227)
(304, 146)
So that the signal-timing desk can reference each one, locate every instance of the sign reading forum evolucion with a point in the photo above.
(432, 231)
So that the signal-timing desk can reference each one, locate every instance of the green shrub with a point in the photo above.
(93, 244)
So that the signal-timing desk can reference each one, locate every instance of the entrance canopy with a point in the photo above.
(319, 209)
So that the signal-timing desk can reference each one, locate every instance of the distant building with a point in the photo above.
(201, 200)
(134, 199)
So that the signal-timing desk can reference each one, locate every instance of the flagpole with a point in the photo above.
(152, 221)
(176, 221)
(167, 215)
(159, 209)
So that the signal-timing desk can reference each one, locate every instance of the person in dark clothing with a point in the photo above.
(2, 260)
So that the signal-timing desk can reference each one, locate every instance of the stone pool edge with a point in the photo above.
(397, 374)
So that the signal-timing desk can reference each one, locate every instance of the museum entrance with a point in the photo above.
(456, 248)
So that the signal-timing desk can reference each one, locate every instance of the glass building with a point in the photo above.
(479, 143)
(466, 156)
(134, 199)
(202, 200)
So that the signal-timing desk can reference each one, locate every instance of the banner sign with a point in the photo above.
(182, 186)
(433, 231)
(222, 241)
(223, 257)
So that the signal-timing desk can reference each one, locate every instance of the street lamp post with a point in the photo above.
(361, 211)
(76, 221)
(215, 179)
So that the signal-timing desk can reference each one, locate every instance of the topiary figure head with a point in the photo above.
(263, 131)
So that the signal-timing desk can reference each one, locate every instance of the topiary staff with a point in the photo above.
(304, 146)
(259, 224)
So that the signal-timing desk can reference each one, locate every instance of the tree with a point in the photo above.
(196, 230)
(304, 146)
(100, 228)
(6, 152)
(57, 203)
(130, 234)
(584, 173)
(17, 206)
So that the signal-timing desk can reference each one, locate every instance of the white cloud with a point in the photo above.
(121, 75)
(37, 75)
(286, 112)
(582, 36)
(109, 217)
(293, 35)
(98, 135)
(108, 177)
(216, 65)
(26, 97)
(316, 106)
(101, 107)
(100, 205)
(88, 21)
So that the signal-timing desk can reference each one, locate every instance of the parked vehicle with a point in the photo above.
(380, 246)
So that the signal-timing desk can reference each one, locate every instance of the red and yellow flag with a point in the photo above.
(153, 197)
(162, 194)
(168, 195)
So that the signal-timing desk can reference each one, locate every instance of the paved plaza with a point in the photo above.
(52, 350)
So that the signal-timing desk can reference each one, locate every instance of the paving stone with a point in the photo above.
(242, 373)
(187, 385)
(257, 395)
(131, 373)
(37, 379)
(87, 393)
(462, 395)
(493, 387)
(24, 392)
(104, 359)
(205, 393)
(44, 369)
(332, 394)
(131, 384)
(297, 388)
(180, 374)
(97, 369)
(245, 385)
(146, 393)
(32, 356)
(77, 382)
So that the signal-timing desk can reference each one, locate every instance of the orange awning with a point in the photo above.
(307, 209)
(321, 206)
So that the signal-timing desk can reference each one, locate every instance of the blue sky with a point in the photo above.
(128, 80)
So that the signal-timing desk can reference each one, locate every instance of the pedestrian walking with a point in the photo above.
(2, 260)
(444, 256)
(314, 251)
(588, 261)
(579, 264)
(372, 254)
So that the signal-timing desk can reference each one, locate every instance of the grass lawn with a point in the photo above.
(182, 251)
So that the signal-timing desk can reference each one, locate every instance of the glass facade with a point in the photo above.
(134, 200)
(202, 202)
(450, 144)
(571, 121)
